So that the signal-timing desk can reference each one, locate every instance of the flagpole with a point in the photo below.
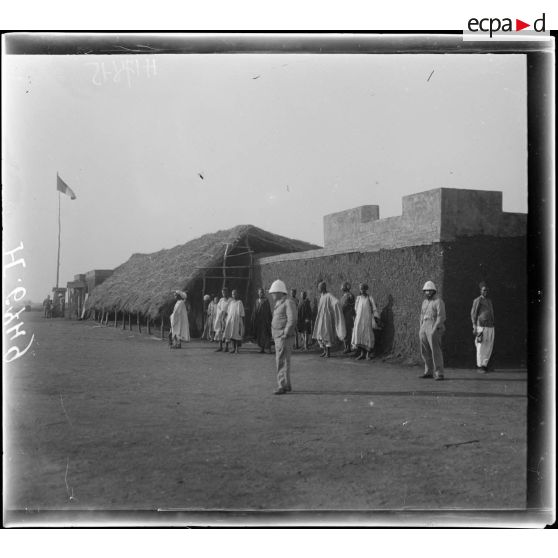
(58, 259)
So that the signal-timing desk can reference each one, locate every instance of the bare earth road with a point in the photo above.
(97, 418)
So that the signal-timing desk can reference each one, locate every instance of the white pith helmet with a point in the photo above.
(429, 286)
(278, 287)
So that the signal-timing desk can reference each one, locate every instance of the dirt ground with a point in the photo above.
(98, 418)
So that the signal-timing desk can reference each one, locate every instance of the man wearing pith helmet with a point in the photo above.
(432, 320)
(283, 330)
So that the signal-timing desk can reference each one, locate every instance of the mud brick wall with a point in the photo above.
(395, 278)
(96, 277)
(502, 263)
(360, 227)
(477, 213)
(439, 215)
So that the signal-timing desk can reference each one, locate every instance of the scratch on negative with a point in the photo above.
(128, 49)
(430, 75)
(69, 490)
(64, 409)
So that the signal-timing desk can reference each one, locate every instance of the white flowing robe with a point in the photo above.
(234, 327)
(220, 316)
(180, 327)
(485, 347)
(363, 330)
(211, 313)
(482, 315)
(330, 322)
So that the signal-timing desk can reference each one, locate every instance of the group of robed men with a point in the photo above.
(349, 320)
(224, 323)
(352, 320)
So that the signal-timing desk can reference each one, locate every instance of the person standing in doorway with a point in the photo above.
(482, 316)
(283, 327)
(432, 327)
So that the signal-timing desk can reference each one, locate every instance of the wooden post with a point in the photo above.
(123, 319)
(162, 327)
(69, 294)
(130, 321)
(225, 265)
(203, 302)
(148, 325)
(249, 271)
(139, 322)
(115, 318)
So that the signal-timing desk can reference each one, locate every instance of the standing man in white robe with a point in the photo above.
(330, 323)
(221, 318)
(206, 320)
(211, 314)
(180, 326)
(367, 318)
(234, 324)
(482, 316)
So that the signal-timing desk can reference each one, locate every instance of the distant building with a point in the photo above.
(96, 277)
(58, 302)
(78, 290)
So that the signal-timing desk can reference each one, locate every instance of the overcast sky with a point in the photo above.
(281, 141)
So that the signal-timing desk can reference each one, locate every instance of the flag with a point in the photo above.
(61, 186)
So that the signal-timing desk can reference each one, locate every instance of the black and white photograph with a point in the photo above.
(277, 279)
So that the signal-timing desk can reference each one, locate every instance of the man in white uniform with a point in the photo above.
(432, 320)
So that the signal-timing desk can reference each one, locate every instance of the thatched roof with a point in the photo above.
(145, 282)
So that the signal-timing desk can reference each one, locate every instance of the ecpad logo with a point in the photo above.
(494, 25)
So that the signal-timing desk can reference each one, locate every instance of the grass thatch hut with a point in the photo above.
(143, 286)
